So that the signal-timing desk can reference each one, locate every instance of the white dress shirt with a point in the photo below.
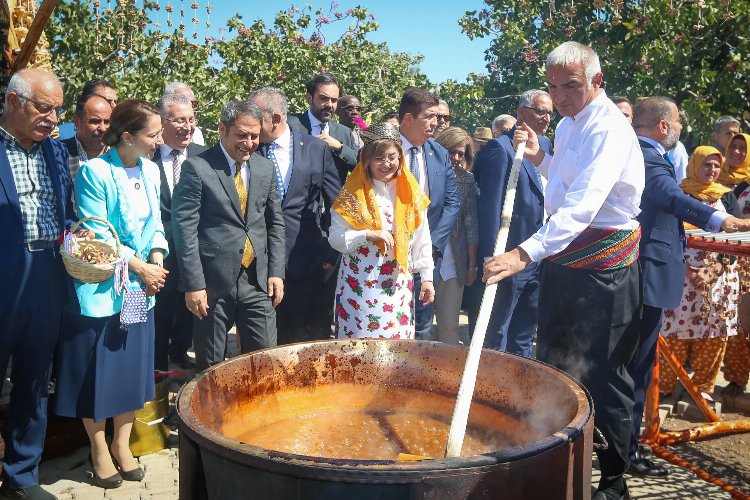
(283, 153)
(168, 161)
(198, 137)
(315, 124)
(232, 168)
(424, 181)
(344, 239)
(596, 178)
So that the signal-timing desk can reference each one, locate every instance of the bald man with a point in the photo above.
(35, 208)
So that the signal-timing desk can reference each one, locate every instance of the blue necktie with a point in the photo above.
(537, 175)
(279, 180)
(414, 163)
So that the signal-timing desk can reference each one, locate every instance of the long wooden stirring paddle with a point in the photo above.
(469, 377)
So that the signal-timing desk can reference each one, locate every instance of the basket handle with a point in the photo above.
(105, 221)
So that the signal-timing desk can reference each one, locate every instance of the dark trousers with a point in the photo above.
(29, 330)
(641, 368)
(306, 312)
(514, 313)
(422, 312)
(589, 322)
(174, 327)
(248, 307)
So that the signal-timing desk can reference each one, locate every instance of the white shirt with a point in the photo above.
(283, 154)
(315, 124)
(137, 197)
(717, 218)
(424, 182)
(344, 239)
(596, 178)
(679, 158)
(198, 137)
(168, 161)
(232, 168)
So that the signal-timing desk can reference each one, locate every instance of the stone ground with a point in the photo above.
(69, 477)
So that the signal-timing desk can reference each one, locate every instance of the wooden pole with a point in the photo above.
(468, 379)
(651, 408)
(35, 33)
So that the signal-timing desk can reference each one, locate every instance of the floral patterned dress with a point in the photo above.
(374, 296)
(699, 317)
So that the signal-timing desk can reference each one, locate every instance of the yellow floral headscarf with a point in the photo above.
(694, 186)
(731, 176)
(357, 206)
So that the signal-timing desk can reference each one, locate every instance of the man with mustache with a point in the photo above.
(229, 238)
(173, 320)
(91, 120)
(35, 208)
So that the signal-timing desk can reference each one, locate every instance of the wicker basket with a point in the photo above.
(86, 271)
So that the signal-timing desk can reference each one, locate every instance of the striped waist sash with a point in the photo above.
(601, 249)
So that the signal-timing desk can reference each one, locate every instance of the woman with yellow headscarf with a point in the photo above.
(379, 224)
(697, 330)
(736, 171)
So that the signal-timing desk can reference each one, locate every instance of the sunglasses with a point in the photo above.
(446, 118)
(541, 112)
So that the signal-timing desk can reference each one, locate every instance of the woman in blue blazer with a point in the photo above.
(105, 358)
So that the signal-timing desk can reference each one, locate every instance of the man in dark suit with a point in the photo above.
(514, 313)
(664, 206)
(91, 120)
(174, 334)
(322, 97)
(229, 238)
(429, 163)
(306, 175)
(35, 208)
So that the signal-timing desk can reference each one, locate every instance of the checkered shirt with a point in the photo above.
(36, 194)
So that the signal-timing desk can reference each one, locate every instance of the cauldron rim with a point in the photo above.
(196, 430)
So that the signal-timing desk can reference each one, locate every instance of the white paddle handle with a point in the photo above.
(469, 377)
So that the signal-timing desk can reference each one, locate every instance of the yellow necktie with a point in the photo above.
(248, 255)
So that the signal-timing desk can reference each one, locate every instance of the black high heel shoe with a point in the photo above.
(136, 474)
(111, 482)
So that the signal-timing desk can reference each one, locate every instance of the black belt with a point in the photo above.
(39, 245)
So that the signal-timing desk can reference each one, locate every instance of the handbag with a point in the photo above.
(134, 307)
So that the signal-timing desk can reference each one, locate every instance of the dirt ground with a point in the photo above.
(726, 457)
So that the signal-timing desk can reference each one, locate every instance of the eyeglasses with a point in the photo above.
(541, 112)
(389, 159)
(446, 118)
(42, 108)
(457, 152)
(181, 122)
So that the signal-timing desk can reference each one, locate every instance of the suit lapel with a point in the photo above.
(298, 151)
(429, 157)
(54, 175)
(221, 167)
(304, 119)
(533, 174)
(9, 184)
(646, 146)
(254, 181)
(165, 195)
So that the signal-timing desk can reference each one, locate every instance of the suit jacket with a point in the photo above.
(11, 244)
(466, 230)
(165, 203)
(70, 144)
(445, 203)
(495, 161)
(663, 208)
(346, 159)
(314, 178)
(209, 230)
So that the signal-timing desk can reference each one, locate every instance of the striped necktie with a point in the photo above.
(414, 162)
(248, 254)
(176, 165)
(279, 179)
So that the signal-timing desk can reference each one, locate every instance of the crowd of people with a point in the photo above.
(297, 227)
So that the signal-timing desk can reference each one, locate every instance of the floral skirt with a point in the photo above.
(374, 298)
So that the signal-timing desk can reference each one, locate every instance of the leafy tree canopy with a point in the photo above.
(695, 51)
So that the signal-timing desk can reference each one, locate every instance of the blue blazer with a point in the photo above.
(314, 180)
(663, 208)
(97, 195)
(445, 202)
(494, 161)
(11, 243)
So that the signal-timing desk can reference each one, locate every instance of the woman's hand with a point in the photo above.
(471, 274)
(152, 275)
(427, 292)
(380, 236)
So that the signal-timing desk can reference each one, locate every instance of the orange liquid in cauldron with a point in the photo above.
(367, 422)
